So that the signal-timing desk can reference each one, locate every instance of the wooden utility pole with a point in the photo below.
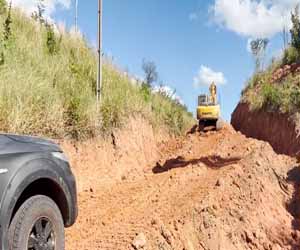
(99, 77)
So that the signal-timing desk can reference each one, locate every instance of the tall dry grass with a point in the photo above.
(53, 94)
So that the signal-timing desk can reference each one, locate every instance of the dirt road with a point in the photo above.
(218, 190)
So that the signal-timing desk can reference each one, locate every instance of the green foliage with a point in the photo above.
(262, 91)
(295, 31)
(146, 92)
(3, 7)
(295, 97)
(173, 115)
(51, 40)
(291, 55)
(6, 34)
(39, 14)
(290, 95)
(2, 58)
(53, 94)
(7, 27)
(271, 96)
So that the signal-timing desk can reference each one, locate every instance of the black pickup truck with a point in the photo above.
(37, 194)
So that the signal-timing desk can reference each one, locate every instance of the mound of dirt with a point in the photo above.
(279, 130)
(213, 191)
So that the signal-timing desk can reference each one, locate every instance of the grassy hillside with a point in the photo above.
(48, 81)
(277, 88)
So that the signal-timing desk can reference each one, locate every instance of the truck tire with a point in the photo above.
(38, 225)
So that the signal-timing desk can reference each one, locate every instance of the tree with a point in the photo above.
(285, 36)
(258, 48)
(295, 31)
(150, 72)
(39, 14)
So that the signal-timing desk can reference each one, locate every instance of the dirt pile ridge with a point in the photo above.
(212, 191)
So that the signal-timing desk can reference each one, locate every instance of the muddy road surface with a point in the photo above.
(213, 191)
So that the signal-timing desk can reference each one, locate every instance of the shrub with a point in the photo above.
(295, 31)
(38, 15)
(51, 41)
(295, 97)
(271, 96)
(7, 27)
(291, 55)
(146, 92)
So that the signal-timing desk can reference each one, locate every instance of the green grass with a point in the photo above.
(284, 96)
(52, 92)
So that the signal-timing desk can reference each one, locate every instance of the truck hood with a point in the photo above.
(12, 144)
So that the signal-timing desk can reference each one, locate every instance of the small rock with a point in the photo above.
(248, 237)
(166, 234)
(220, 182)
(258, 163)
(175, 223)
(242, 219)
(207, 222)
(139, 242)
(154, 222)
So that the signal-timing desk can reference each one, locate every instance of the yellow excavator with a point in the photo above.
(209, 111)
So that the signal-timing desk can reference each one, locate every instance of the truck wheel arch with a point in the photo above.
(49, 188)
(30, 180)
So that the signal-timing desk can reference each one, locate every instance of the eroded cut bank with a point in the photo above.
(280, 130)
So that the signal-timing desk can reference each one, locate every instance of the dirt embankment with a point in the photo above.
(277, 129)
(214, 191)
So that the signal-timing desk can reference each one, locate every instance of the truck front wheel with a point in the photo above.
(37, 225)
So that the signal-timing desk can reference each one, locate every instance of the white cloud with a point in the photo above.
(29, 6)
(253, 18)
(169, 92)
(206, 76)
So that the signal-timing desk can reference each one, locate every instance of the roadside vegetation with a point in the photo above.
(48, 84)
(277, 87)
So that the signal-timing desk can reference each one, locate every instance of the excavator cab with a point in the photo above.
(209, 111)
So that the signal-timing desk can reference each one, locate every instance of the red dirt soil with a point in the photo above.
(279, 130)
(214, 191)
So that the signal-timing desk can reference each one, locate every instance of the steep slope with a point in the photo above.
(48, 85)
(269, 107)
(210, 191)
(280, 130)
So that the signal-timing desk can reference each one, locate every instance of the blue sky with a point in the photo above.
(181, 36)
